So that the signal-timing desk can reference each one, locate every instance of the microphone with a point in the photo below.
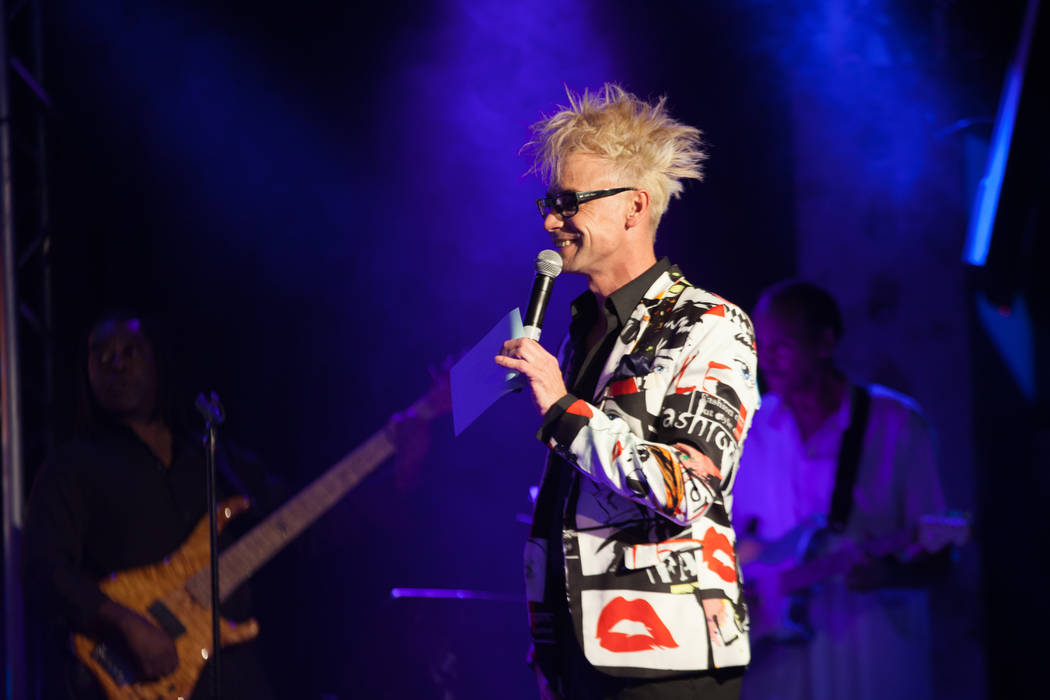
(548, 266)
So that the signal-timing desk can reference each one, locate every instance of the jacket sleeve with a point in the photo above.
(702, 394)
(56, 521)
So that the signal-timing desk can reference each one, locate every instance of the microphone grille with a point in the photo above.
(548, 263)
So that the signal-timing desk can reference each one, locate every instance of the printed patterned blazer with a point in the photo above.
(650, 556)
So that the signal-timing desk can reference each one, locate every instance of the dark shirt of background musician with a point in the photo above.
(106, 503)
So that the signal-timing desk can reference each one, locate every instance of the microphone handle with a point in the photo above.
(541, 294)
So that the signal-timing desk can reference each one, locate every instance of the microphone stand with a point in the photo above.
(212, 411)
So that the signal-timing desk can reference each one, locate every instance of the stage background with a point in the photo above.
(325, 200)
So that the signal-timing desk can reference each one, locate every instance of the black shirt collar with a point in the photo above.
(624, 300)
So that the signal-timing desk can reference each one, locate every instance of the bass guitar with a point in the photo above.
(175, 594)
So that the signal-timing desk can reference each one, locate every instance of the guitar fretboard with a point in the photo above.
(257, 547)
(931, 535)
(813, 572)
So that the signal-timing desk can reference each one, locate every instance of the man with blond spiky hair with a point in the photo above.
(631, 573)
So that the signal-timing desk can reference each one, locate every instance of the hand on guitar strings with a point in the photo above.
(152, 648)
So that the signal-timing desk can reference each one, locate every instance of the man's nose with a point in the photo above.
(553, 222)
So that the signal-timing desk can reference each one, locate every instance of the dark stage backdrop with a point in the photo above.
(325, 200)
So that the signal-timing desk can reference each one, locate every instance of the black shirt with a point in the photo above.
(107, 505)
(582, 371)
(584, 368)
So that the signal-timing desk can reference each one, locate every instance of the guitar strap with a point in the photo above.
(849, 459)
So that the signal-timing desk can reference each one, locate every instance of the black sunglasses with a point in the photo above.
(567, 204)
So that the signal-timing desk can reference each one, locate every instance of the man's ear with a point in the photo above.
(638, 208)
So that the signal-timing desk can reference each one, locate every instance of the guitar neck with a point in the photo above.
(815, 571)
(258, 546)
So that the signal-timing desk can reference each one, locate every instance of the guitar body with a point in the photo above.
(777, 581)
(158, 592)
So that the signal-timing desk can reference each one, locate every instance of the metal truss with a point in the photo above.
(26, 319)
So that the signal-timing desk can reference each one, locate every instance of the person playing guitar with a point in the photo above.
(116, 534)
(123, 495)
(836, 611)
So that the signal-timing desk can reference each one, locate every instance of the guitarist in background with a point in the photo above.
(870, 631)
(126, 494)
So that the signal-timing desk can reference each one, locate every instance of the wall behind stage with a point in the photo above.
(328, 200)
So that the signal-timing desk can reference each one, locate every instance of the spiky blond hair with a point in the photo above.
(651, 150)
